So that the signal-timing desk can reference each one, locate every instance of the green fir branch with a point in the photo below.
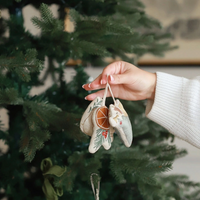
(78, 163)
(116, 171)
(97, 25)
(47, 23)
(150, 192)
(66, 180)
(194, 195)
(22, 64)
(78, 46)
(10, 96)
(5, 82)
(39, 116)
(39, 113)
(31, 141)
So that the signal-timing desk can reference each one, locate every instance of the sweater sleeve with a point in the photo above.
(176, 106)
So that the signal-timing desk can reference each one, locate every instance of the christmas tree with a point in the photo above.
(48, 154)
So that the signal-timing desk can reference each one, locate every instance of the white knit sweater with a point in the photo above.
(176, 106)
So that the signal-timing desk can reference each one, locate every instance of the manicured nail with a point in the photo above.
(83, 86)
(103, 82)
(89, 85)
(111, 78)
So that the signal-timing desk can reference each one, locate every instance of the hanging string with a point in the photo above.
(96, 192)
(105, 94)
(111, 93)
(106, 91)
(108, 85)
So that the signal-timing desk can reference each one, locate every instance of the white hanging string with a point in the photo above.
(105, 94)
(96, 192)
(111, 93)
(106, 91)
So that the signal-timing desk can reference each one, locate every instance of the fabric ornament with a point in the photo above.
(100, 123)
(50, 190)
(118, 118)
(95, 123)
(86, 123)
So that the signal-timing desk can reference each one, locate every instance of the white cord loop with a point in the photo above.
(106, 91)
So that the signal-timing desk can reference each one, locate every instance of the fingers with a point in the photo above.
(117, 72)
(100, 93)
(94, 85)
(113, 68)
(119, 79)
(112, 79)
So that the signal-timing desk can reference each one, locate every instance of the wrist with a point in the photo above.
(152, 88)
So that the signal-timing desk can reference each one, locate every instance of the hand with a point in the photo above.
(126, 80)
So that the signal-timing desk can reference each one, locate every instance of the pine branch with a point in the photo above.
(117, 172)
(182, 181)
(25, 140)
(140, 126)
(29, 152)
(137, 164)
(194, 195)
(48, 23)
(99, 0)
(177, 185)
(166, 152)
(78, 166)
(97, 25)
(10, 96)
(21, 64)
(5, 81)
(150, 192)
(39, 114)
(89, 47)
(31, 141)
(131, 4)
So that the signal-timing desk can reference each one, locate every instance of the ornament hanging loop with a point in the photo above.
(106, 91)
(95, 191)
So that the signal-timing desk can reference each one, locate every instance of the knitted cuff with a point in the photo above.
(166, 106)
(176, 106)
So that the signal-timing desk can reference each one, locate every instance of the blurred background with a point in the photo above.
(182, 19)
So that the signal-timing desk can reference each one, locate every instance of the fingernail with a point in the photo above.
(103, 82)
(83, 86)
(85, 98)
(111, 78)
(89, 85)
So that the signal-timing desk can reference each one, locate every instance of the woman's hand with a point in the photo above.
(126, 80)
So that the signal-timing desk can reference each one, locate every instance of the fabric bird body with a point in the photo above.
(95, 123)
(100, 123)
(119, 120)
(86, 123)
